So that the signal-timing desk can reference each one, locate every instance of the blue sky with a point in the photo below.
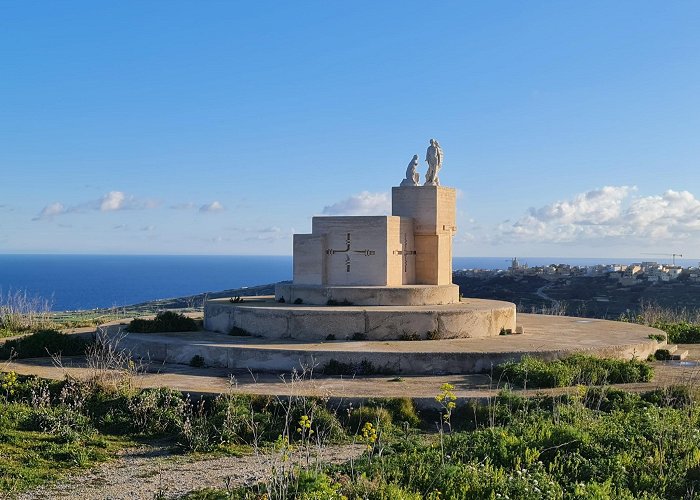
(569, 128)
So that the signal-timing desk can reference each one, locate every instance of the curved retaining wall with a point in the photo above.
(545, 337)
(471, 318)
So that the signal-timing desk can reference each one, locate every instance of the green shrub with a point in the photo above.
(324, 422)
(166, 321)
(401, 410)
(576, 369)
(675, 396)
(377, 416)
(680, 333)
(156, 411)
(44, 343)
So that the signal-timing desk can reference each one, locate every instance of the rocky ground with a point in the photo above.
(150, 472)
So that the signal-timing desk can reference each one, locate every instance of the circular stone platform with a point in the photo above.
(546, 337)
(405, 295)
(263, 317)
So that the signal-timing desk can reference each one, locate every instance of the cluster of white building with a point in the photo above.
(625, 274)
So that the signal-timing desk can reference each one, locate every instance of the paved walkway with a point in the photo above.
(422, 388)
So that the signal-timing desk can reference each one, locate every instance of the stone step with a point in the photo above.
(671, 348)
(679, 356)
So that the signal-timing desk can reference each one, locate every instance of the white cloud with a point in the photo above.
(110, 202)
(149, 228)
(114, 200)
(214, 206)
(51, 210)
(610, 213)
(365, 203)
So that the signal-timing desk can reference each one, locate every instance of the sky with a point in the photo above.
(221, 127)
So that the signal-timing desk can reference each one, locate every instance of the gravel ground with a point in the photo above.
(151, 472)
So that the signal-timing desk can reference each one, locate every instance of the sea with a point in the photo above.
(79, 282)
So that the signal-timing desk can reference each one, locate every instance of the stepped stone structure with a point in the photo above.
(401, 259)
(375, 277)
(359, 280)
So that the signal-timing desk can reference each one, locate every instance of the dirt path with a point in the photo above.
(151, 472)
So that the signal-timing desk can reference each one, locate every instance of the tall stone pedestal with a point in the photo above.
(433, 210)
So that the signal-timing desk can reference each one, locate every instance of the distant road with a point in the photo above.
(540, 293)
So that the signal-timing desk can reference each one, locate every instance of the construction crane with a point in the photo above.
(672, 255)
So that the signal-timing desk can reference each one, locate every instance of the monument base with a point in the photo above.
(545, 337)
(470, 318)
(407, 295)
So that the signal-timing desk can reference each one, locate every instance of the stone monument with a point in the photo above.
(379, 276)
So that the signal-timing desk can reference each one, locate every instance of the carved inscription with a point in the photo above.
(348, 251)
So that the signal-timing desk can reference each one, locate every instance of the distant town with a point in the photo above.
(601, 291)
(624, 274)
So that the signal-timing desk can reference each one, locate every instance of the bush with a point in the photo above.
(156, 411)
(680, 333)
(577, 369)
(44, 343)
(400, 409)
(377, 416)
(166, 321)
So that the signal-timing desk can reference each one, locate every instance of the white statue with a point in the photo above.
(412, 176)
(434, 158)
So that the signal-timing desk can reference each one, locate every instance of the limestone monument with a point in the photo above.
(412, 176)
(364, 286)
(379, 276)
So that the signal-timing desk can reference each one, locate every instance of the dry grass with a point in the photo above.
(20, 312)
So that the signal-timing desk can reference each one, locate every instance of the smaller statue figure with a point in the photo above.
(412, 176)
(434, 158)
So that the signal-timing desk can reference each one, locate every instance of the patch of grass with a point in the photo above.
(43, 343)
(577, 369)
(31, 458)
(658, 337)
(166, 321)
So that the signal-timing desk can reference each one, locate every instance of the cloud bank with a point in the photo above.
(612, 213)
(365, 203)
